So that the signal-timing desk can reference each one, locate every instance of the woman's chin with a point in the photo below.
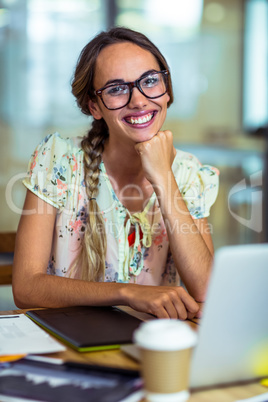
(144, 135)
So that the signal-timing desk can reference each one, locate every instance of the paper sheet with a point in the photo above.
(259, 398)
(20, 335)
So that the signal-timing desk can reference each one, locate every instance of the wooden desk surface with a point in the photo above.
(117, 358)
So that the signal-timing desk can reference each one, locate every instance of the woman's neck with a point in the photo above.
(122, 161)
(124, 168)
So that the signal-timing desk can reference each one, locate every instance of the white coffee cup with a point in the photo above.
(165, 348)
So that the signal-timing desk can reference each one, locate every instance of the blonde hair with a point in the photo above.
(94, 245)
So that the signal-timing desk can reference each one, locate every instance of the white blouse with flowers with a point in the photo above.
(137, 244)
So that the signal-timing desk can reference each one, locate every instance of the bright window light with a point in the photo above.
(184, 14)
(255, 105)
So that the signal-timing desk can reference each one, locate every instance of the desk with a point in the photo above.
(116, 358)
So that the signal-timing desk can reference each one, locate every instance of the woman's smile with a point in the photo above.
(141, 119)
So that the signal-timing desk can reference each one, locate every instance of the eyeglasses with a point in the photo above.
(117, 96)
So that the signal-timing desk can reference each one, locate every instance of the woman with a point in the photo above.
(118, 218)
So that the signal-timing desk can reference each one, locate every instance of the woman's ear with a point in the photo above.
(168, 97)
(94, 109)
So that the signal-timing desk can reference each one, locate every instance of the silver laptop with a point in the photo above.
(233, 335)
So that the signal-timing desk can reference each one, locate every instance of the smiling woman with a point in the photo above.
(119, 216)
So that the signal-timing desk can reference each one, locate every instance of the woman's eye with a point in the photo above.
(150, 81)
(117, 90)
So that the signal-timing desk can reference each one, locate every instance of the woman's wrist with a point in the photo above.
(125, 292)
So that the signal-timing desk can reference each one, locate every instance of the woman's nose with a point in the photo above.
(137, 100)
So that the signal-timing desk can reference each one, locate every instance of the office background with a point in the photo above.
(215, 50)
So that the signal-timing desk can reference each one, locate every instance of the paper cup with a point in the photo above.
(165, 347)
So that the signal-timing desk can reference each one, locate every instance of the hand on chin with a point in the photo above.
(156, 155)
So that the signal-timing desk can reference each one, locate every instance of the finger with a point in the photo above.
(199, 314)
(181, 310)
(163, 307)
(161, 134)
(172, 310)
(174, 305)
(190, 304)
(193, 314)
(142, 147)
(168, 133)
(181, 300)
(160, 312)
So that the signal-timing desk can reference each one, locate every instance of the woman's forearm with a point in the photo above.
(193, 256)
(48, 291)
(42, 290)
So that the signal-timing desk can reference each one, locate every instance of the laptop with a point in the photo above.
(233, 335)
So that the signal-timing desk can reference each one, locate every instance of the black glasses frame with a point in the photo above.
(134, 84)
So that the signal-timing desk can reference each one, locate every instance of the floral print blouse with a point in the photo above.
(137, 244)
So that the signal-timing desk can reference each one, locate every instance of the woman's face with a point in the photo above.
(128, 62)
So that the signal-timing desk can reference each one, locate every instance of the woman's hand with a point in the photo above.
(157, 156)
(161, 301)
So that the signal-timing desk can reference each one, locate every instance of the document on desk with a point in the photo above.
(258, 398)
(20, 335)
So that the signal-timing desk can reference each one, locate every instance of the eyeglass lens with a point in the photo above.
(118, 95)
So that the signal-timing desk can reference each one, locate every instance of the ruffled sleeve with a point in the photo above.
(51, 168)
(198, 184)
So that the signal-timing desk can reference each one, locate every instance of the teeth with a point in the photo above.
(141, 120)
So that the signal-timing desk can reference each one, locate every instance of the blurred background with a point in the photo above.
(218, 56)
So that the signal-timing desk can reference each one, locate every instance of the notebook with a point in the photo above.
(233, 335)
(87, 328)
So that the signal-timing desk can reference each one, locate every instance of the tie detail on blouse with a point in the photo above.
(133, 256)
